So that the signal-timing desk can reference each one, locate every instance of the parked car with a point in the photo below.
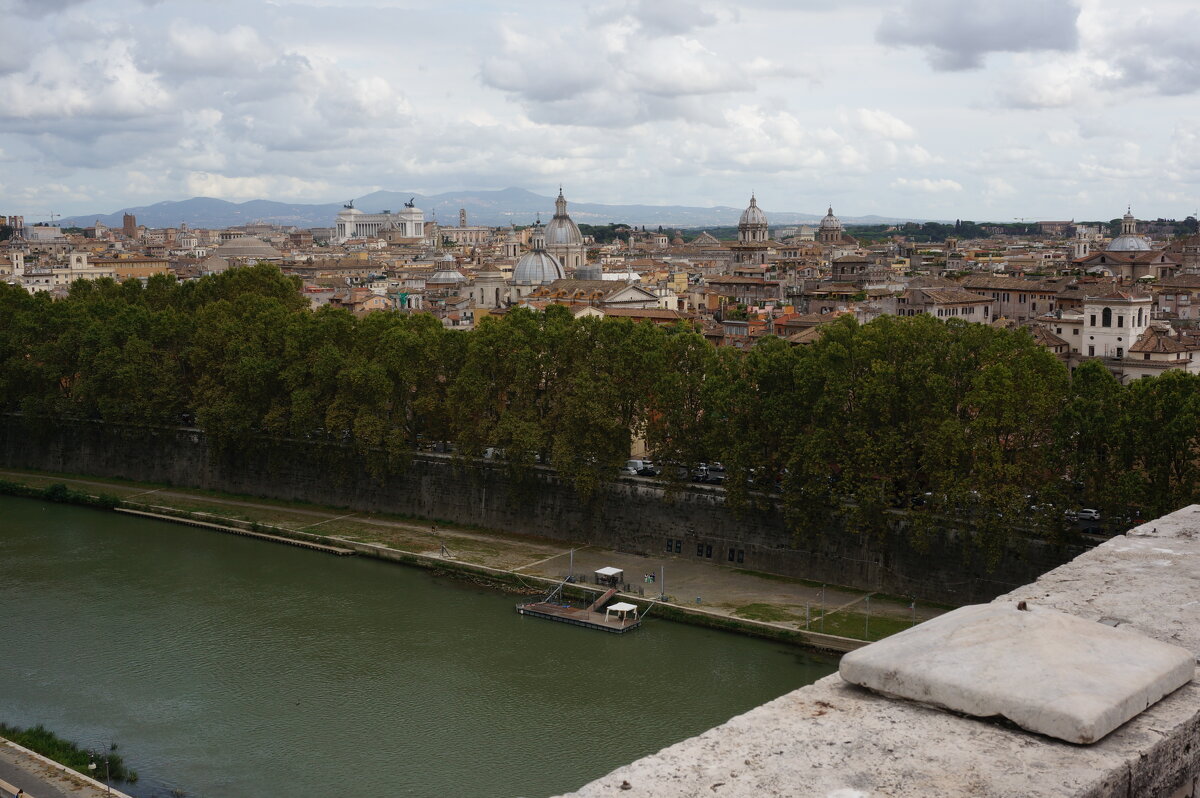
(1087, 514)
(640, 468)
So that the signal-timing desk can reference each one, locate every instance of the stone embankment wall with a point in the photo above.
(632, 514)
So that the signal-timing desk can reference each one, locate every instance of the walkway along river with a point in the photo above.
(229, 667)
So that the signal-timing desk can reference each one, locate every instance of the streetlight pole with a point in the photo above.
(867, 625)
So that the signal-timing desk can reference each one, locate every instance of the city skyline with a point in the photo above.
(928, 109)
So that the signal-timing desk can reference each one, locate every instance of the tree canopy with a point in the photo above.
(937, 418)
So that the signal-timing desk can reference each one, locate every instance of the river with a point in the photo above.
(228, 667)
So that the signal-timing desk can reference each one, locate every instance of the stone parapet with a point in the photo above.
(835, 740)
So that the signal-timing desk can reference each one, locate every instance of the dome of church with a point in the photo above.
(447, 273)
(1129, 240)
(753, 214)
(831, 222)
(562, 230)
(537, 268)
(247, 247)
(1128, 244)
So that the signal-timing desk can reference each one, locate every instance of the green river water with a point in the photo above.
(229, 667)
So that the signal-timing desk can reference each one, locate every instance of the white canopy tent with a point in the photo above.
(609, 575)
(622, 609)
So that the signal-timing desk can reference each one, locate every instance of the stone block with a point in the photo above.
(1044, 670)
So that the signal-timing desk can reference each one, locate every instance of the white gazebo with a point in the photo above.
(622, 610)
(609, 576)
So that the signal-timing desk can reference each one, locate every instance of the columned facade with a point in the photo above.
(353, 223)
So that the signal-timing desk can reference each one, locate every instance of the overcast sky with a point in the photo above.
(973, 109)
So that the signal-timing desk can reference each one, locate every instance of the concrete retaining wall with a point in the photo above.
(630, 514)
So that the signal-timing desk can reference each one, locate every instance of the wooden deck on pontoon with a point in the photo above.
(578, 616)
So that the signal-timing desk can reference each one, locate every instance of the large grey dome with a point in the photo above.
(1128, 244)
(562, 230)
(831, 222)
(537, 268)
(753, 214)
(446, 273)
(1129, 240)
(247, 247)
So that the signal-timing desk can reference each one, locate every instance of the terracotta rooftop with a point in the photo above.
(1157, 341)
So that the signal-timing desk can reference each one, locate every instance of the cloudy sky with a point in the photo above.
(979, 109)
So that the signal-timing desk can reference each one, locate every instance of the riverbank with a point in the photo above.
(824, 617)
(41, 777)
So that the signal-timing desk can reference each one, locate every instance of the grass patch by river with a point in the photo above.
(766, 612)
(859, 626)
(41, 740)
(843, 623)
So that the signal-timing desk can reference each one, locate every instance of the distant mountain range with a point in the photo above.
(491, 208)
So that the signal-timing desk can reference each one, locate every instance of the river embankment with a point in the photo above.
(824, 617)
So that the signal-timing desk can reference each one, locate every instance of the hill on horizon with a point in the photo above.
(490, 207)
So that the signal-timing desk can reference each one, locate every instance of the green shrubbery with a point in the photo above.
(40, 740)
(60, 493)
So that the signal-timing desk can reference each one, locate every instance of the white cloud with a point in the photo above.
(99, 80)
(927, 185)
(193, 51)
(997, 187)
(282, 186)
(883, 124)
(623, 65)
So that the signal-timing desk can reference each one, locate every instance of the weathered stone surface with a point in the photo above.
(1044, 670)
(836, 740)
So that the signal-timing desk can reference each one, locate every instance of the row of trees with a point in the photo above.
(940, 418)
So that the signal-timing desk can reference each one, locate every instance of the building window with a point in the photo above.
(700, 549)
(741, 555)
(732, 554)
(1120, 351)
(1091, 351)
(1120, 321)
(1106, 317)
(1075, 331)
(708, 551)
(670, 545)
(1093, 319)
(1146, 356)
(679, 547)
